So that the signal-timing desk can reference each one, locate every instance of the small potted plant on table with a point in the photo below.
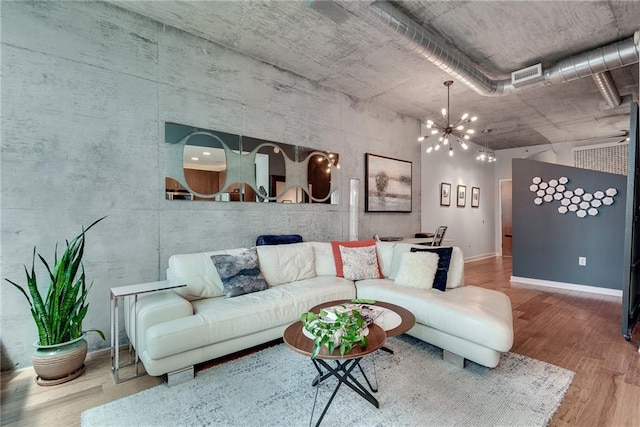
(341, 329)
(61, 348)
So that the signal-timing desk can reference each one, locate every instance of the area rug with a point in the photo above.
(416, 388)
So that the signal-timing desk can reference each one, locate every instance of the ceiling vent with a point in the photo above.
(527, 75)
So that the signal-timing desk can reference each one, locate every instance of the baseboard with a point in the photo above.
(567, 286)
(481, 256)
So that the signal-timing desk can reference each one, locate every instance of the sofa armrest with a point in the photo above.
(151, 309)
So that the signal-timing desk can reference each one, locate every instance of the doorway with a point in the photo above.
(506, 230)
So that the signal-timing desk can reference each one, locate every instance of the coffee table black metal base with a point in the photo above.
(342, 372)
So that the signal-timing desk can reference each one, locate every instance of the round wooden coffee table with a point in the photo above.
(294, 338)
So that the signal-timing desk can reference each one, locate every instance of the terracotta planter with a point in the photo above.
(59, 363)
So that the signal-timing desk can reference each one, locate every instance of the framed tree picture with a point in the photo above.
(445, 194)
(475, 197)
(387, 184)
(462, 196)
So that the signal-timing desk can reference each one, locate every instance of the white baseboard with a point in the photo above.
(567, 286)
(481, 256)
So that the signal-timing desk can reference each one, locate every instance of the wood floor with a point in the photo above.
(574, 330)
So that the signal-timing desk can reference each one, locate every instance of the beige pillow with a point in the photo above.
(360, 263)
(417, 270)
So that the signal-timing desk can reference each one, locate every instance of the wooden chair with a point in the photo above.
(439, 236)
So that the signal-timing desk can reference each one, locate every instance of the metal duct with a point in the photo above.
(417, 39)
(607, 88)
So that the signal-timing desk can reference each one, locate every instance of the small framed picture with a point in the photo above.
(462, 196)
(475, 197)
(445, 194)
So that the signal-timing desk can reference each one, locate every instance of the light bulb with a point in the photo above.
(441, 139)
(446, 141)
(429, 122)
(474, 118)
(471, 131)
(460, 127)
(466, 137)
(435, 131)
(429, 150)
(464, 146)
(437, 147)
(464, 116)
(429, 125)
(276, 150)
(450, 151)
(421, 139)
(444, 112)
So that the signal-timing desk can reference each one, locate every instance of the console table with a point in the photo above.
(131, 291)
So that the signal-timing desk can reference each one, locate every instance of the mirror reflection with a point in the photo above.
(218, 166)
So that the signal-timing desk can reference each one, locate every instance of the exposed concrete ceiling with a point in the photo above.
(338, 48)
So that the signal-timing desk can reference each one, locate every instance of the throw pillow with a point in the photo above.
(417, 270)
(239, 273)
(440, 281)
(337, 257)
(359, 263)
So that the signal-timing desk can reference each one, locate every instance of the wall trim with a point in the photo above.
(481, 256)
(567, 286)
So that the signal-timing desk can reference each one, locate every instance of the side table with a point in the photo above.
(131, 291)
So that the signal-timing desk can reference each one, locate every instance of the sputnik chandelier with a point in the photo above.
(451, 130)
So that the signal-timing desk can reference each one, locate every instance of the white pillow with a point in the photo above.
(359, 263)
(385, 256)
(398, 251)
(417, 270)
(323, 257)
(199, 273)
(281, 264)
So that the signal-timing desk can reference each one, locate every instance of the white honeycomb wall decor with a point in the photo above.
(579, 201)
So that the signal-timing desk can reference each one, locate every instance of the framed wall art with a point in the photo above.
(445, 194)
(475, 197)
(387, 184)
(462, 196)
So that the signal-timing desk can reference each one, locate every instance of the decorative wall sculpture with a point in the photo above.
(577, 200)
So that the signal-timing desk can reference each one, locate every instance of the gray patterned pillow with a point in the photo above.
(359, 263)
(240, 273)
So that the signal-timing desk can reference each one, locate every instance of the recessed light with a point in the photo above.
(206, 153)
(195, 159)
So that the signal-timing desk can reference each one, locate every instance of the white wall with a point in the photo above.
(86, 89)
(472, 229)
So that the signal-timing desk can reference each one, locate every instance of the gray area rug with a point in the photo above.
(416, 388)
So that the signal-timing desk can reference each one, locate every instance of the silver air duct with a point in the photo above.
(417, 39)
(607, 88)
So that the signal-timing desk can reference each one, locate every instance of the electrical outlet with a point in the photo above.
(582, 260)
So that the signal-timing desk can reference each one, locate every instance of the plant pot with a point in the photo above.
(59, 363)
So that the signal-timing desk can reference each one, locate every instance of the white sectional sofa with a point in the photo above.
(178, 329)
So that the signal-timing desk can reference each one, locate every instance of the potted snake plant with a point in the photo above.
(61, 349)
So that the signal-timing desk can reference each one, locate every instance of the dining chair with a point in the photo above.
(439, 236)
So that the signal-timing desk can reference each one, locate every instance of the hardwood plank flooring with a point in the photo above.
(574, 330)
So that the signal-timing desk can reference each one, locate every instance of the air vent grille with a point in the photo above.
(527, 75)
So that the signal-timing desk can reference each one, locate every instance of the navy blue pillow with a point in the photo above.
(440, 281)
(278, 239)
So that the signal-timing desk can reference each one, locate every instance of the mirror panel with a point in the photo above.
(218, 166)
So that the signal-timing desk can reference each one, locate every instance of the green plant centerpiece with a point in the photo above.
(340, 328)
(61, 348)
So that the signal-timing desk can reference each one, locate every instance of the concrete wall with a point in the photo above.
(472, 229)
(547, 244)
(86, 89)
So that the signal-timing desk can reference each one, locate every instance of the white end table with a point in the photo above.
(116, 295)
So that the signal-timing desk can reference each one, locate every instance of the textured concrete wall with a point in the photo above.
(86, 89)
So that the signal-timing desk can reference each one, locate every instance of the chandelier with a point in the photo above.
(451, 130)
(484, 154)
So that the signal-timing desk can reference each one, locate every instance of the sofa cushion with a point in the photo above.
(286, 263)
(239, 273)
(385, 256)
(323, 257)
(444, 260)
(199, 273)
(349, 244)
(418, 270)
(360, 263)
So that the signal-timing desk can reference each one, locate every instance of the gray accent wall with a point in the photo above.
(547, 244)
(86, 90)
